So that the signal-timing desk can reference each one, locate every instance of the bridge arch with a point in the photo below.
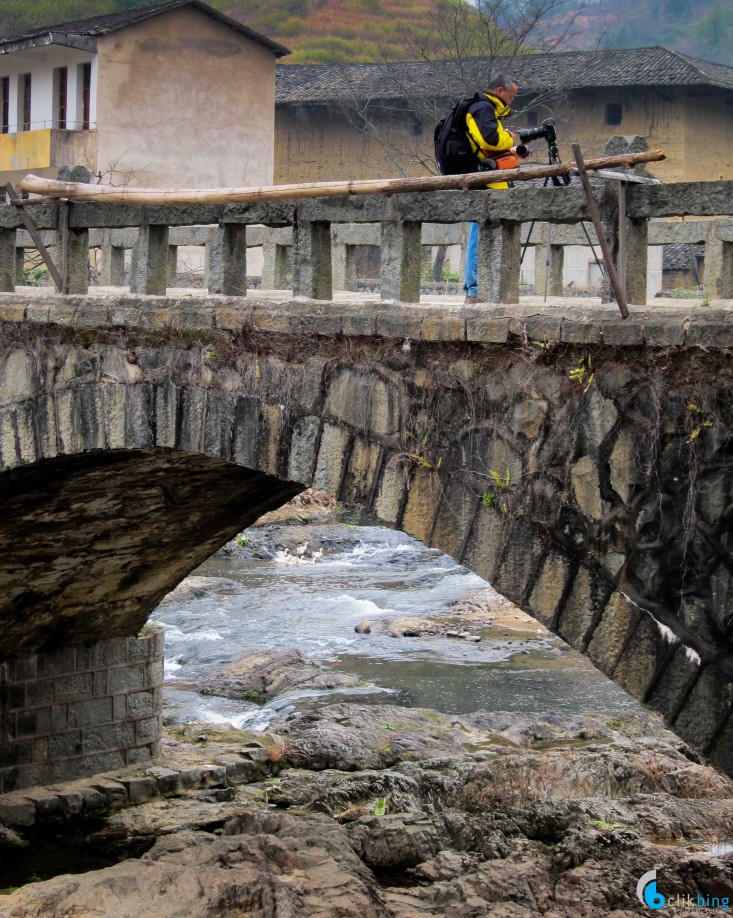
(591, 489)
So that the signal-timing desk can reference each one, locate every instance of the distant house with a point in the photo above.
(174, 94)
(372, 120)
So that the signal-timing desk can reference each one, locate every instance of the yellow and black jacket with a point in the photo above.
(486, 134)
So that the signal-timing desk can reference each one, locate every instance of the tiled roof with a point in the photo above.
(324, 83)
(100, 25)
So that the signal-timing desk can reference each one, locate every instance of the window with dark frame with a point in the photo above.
(25, 88)
(614, 113)
(5, 92)
(86, 96)
(61, 81)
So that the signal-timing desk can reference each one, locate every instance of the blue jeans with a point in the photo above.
(470, 281)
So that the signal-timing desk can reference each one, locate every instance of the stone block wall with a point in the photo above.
(80, 710)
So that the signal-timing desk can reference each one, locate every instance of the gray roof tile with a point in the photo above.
(99, 25)
(329, 83)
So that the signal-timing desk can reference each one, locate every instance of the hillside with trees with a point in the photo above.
(319, 31)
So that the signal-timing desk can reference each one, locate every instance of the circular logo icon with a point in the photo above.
(646, 891)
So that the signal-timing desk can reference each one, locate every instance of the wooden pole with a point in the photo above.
(600, 232)
(78, 191)
(35, 236)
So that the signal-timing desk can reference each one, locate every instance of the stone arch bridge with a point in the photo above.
(582, 464)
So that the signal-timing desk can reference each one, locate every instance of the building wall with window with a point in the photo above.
(694, 128)
(180, 99)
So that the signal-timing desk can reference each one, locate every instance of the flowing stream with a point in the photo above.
(313, 603)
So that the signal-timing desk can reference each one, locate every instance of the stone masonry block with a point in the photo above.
(454, 518)
(366, 402)
(721, 752)
(57, 662)
(39, 693)
(110, 736)
(154, 674)
(423, 498)
(268, 454)
(148, 730)
(140, 790)
(94, 711)
(361, 470)
(114, 793)
(141, 704)
(109, 653)
(548, 589)
(65, 745)
(73, 688)
(521, 560)
(611, 633)
(303, 449)
(331, 459)
(485, 542)
(390, 493)
(140, 755)
(126, 678)
(706, 709)
(588, 596)
(638, 664)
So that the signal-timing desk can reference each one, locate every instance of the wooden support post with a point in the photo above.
(401, 254)
(149, 274)
(499, 254)
(602, 241)
(35, 236)
(7, 260)
(312, 273)
(19, 264)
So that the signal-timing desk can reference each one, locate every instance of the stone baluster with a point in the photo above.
(499, 253)
(172, 265)
(401, 259)
(112, 262)
(312, 271)
(149, 271)
(76, 256)
(548, 272)
(7, 261)
(635, 259)
(19, 263)
(719, 259)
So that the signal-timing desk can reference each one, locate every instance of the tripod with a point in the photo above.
(558, 182)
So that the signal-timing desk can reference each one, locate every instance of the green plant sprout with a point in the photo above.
(583, 372)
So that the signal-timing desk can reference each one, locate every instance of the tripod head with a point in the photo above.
(548, 132)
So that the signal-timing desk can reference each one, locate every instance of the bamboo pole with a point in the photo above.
(75, 191)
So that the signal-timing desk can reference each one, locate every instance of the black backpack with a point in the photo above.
(453, 153)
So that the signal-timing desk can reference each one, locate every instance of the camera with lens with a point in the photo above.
(546, 130)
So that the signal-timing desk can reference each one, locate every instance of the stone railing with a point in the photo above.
(322, 234)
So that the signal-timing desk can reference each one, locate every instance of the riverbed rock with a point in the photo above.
(194, 587)
(465, 822)
(263, 675)
(411, 626)
(352, 736)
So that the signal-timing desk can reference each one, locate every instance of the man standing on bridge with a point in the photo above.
(493, 145)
